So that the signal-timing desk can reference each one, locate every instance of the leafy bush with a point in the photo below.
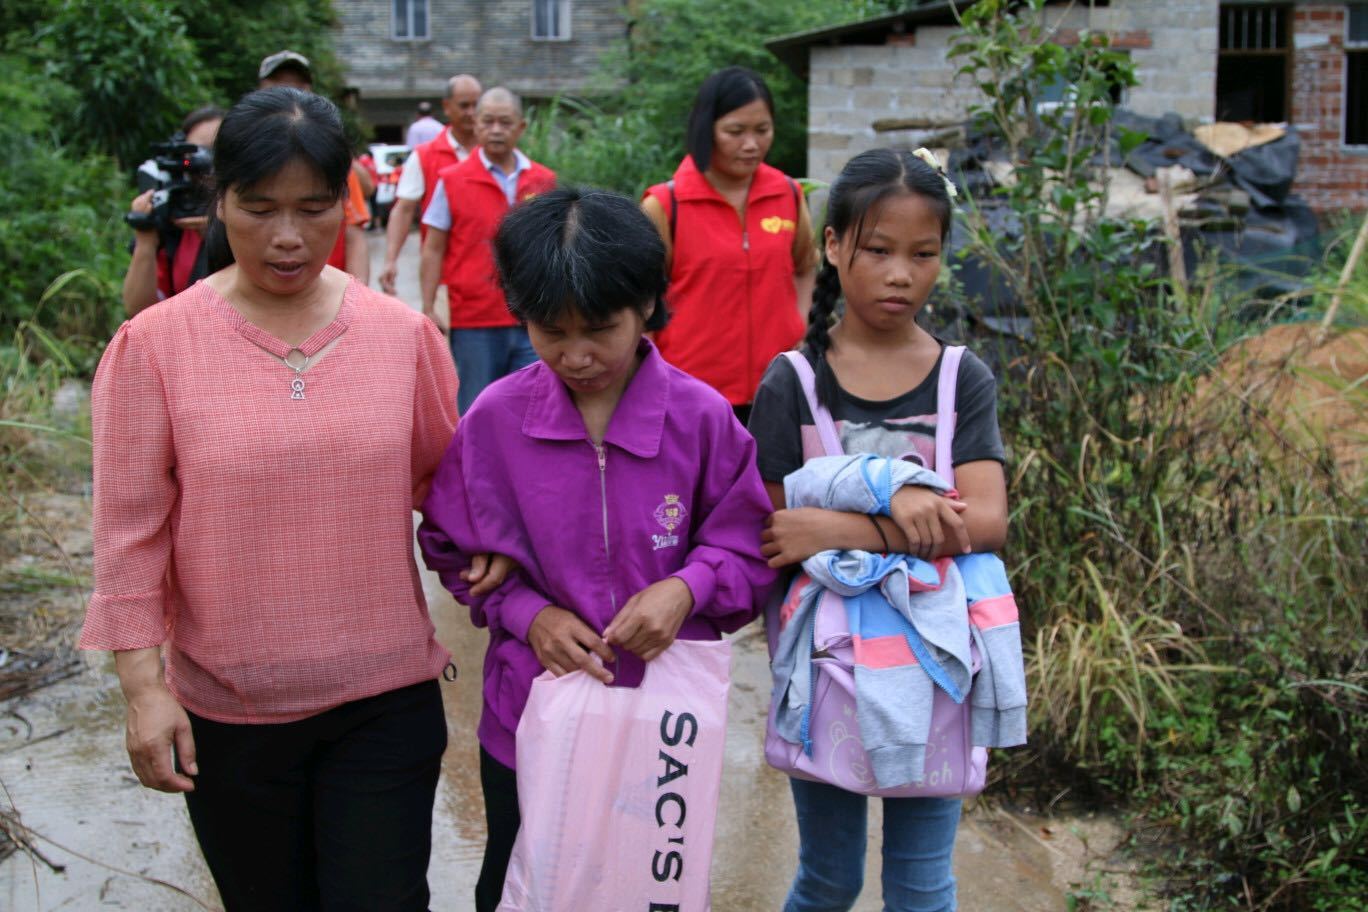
(1192, 568)
(132, 65)
(63, 208)
(632, 135)
(588, 145)
(231, 38)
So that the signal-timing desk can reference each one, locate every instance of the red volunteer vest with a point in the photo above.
(435, 156)
(173, 277)
(732, 300)
(478, 204)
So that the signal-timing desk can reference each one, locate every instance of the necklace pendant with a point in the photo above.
(298, 365)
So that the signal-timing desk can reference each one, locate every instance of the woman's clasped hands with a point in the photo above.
(646, 626)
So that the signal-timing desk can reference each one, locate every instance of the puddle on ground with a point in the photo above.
(76, 788)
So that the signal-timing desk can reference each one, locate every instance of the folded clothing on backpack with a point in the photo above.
(911, 623)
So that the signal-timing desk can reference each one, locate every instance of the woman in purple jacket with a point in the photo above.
(624, 490)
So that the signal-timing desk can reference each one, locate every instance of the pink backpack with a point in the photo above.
(954, 766)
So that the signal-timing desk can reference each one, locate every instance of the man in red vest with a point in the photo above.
(467, 204)
(452, 146)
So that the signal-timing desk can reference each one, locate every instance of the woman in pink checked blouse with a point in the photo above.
(260, 443)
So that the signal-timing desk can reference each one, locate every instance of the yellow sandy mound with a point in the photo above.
(1305, 397)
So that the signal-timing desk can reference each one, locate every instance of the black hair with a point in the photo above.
(721, 93)
(260, 135)
(590, 251)
(859, 191)
(199, 116)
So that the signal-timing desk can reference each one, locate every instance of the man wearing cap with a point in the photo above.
(285, 68)
(419, 178)
(293, 70)
(424, 129)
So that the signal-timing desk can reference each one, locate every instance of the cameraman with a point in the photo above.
(168, 262)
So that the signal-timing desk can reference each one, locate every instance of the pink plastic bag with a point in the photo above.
(618, 787)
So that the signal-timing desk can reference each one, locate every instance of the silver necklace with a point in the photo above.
(298, 365)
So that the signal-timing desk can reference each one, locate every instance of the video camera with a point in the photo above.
(179, 184)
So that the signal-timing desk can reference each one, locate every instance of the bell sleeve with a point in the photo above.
(135, 492)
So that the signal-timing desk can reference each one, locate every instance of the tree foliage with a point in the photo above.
(62, 205)
(232, 37)
(131, 66)
(138, 66)
(632, 134)
(85, 86)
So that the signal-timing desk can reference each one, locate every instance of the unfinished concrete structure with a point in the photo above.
(889, 81)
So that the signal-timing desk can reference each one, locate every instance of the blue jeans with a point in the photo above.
(484, 355)
(918, 845)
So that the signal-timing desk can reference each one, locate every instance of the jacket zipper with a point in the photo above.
(602, 453)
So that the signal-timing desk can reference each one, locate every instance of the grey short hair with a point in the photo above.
(502, 95)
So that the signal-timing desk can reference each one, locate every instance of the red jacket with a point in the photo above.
(733, 302)
(435, 155)
(478, 204)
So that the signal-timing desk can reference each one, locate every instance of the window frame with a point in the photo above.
(1353, 49)
(564, 11)
(408, 20)
(1280, 26)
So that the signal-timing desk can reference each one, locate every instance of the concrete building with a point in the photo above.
(888, 80)
(398, 52)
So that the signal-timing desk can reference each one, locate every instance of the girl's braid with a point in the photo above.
(818, 338)
(824, 297)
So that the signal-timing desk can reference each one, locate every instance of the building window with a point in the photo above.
(410, 20)
(550, 20)
(1254, 63)
(1356, 76)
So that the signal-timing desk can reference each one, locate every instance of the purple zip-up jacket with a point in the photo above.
(672, 491)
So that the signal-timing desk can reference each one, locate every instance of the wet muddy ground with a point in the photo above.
(120, 846)
(63, 766)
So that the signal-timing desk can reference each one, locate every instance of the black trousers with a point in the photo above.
(502, 819)
(333, 812)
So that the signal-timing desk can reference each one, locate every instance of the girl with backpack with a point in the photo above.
(624, 490)
(888, 221)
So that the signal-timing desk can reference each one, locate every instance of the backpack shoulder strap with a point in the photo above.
(169, 241)
(674, 208)
(201, 267)
(946, 385)
(821, 416)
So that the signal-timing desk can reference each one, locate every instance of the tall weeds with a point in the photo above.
(1189, 517)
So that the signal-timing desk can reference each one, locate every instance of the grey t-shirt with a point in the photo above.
(902, 427)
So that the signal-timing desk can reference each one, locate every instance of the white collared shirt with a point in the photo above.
(509, 182)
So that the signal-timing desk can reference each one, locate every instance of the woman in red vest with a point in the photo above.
(738, 239)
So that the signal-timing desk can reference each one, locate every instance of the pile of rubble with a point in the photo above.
(1229, 184)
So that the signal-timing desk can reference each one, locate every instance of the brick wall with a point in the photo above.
(854, 89)
(850, 88)
(1329, 176)
(489, 38)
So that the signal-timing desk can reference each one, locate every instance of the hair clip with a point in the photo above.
(929, 157)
